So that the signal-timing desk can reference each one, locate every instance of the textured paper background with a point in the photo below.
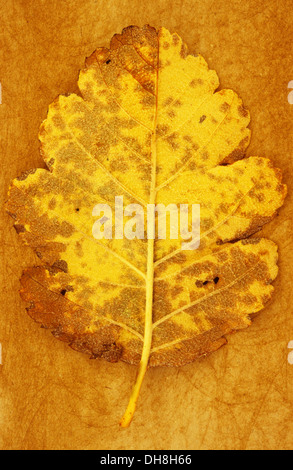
(241, 397)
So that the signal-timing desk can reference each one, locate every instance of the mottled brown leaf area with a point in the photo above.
(149, 126)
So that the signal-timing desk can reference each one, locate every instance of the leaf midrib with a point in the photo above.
(148, 324)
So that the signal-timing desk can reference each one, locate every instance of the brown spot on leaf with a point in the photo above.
(224, 107)
(25, 174)
(242, 111)
(237, 153)
(62, 265)
(19, 228)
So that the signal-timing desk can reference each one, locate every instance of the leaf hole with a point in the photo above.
(204, 283)
(63, 292)
(108, 61)
(77, 209)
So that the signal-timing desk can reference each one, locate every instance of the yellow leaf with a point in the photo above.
(150, 127)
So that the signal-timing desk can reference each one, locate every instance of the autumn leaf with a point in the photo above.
(148, 126)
